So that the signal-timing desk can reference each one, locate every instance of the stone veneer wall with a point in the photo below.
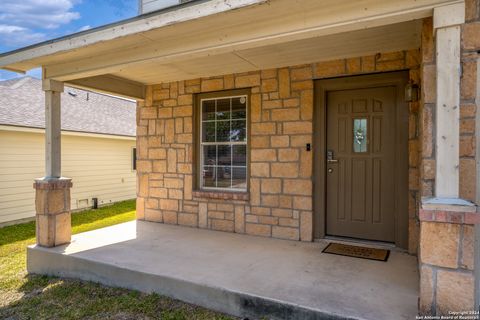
(280, 199)
(281, 113)
(469, 100)
(447, 235)
(447, 261)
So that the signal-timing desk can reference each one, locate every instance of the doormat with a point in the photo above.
(357, 252)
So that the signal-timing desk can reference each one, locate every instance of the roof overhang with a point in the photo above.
(115, 36)
(208, 38)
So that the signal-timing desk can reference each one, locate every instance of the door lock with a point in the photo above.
(330, 157)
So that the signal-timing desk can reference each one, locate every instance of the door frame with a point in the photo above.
(399, 79)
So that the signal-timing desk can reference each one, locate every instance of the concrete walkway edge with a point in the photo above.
(43, 261)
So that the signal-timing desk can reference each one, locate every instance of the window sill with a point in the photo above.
(224, 195)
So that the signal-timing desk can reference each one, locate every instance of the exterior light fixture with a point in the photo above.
(411, 92)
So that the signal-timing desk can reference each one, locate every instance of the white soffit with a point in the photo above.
(405, 36)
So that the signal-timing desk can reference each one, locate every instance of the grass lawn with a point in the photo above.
(24, 296)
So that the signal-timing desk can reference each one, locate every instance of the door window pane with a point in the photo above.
(359, 135)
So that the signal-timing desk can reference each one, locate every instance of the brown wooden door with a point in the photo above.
(361, 164)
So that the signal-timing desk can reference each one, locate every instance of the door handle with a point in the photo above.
(330, 157)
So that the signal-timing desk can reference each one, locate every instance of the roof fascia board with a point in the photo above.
(138, 24)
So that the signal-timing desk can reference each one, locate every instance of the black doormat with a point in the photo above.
(357, 251)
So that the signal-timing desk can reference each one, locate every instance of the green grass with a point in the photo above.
(24, 296)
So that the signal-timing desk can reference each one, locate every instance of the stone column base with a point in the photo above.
(446, 256)
(52, 203)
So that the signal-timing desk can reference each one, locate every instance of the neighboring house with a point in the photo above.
(298, 120)
(98, 137)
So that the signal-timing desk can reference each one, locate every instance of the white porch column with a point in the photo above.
(53, 90)
(446, 22)
(52, 196)
(446, 221)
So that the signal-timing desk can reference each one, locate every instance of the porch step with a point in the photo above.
(236, 274)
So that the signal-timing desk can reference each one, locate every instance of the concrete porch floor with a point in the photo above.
(237, 274)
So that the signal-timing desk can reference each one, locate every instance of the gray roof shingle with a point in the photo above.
(22, 103)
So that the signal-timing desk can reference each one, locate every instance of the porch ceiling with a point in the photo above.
(216, 37)
(400, 36)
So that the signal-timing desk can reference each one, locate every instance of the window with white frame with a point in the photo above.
(223, 143)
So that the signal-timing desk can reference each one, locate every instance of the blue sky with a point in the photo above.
(25, 22)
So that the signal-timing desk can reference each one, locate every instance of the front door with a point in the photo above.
(361, 163)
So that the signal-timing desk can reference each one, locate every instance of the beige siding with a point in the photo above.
(99, 167)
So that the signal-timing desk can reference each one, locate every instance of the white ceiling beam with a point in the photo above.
(449, 15)
(112, 85)
(14, 70)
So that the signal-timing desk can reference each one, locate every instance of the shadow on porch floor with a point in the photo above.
(237, 274)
